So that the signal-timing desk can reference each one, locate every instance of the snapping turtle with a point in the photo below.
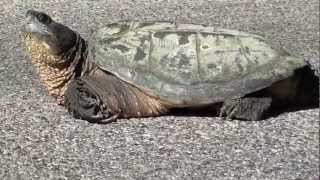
(133, 69)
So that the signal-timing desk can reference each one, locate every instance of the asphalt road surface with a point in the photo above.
(40, 140)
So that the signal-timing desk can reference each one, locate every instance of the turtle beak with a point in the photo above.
(34, 25)
(55, 36)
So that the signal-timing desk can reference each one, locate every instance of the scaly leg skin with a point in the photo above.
(248, 108)
(84, 102)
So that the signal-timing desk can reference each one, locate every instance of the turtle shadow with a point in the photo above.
(278, 111)
(210, 111)
(204, 111)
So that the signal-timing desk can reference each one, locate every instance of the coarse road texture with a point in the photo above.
(39, 140)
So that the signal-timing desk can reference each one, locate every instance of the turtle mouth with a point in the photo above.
(37, 23)
(37, 26)
(54, 36)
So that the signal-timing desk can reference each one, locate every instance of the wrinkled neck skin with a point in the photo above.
(56, 71)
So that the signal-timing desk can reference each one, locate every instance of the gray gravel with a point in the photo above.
(39, 140)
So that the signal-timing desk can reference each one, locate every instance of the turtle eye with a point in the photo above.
(43, 18)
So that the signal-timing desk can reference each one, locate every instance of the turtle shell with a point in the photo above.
(189, 65)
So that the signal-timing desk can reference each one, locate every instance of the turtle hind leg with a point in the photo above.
(83, 102)
(247, 108)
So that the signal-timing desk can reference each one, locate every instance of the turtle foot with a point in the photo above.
(248, 108)
(83, 102)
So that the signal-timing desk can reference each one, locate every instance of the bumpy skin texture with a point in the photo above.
(56, 51)
(148, 69)
(102, 97)
(248, 108)
(55, 71)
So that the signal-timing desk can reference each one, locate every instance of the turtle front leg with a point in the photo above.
(84, 102)
(248, 108)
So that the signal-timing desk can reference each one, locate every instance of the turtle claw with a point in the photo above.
(102, 118)
(84, 102)
(249, 108)
(229, 109)
(110, 119)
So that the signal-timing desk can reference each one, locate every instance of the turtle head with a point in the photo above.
(54, 36)
(57, 52)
